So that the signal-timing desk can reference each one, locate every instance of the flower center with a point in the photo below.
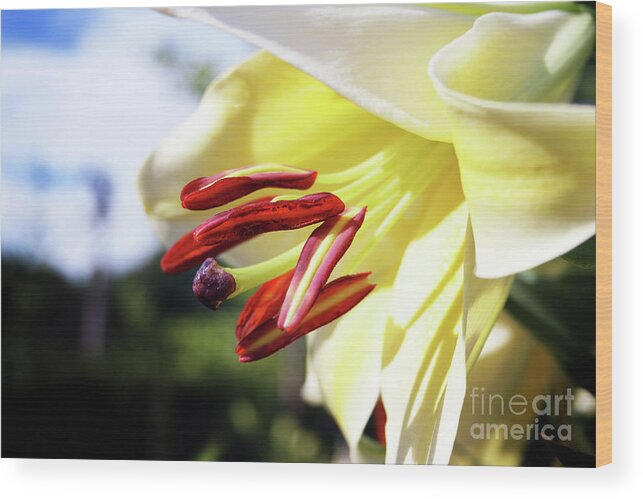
(294, 295)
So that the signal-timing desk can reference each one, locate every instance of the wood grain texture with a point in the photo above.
(603, 234)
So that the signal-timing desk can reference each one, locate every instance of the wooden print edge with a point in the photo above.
(603, 234)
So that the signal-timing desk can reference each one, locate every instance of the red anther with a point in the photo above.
(209, 192)
(335, 299)
(186, 253)
(258, 217)
(309, 280)
(263, 305)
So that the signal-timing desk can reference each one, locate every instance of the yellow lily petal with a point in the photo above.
(375, 55)
(311, 390)
(438, 304)
(413, 381)
(427, 319)
(526, 162)
(483, 301)
(347, 361)
(446, 425)
(264, 110)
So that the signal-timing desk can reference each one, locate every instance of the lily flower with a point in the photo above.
(452, 124)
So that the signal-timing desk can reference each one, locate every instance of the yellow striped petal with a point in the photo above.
(427, 321)
(440, 311)
(263, 111)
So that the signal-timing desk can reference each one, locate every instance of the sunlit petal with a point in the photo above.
(347, 361)
(448, 413)
(526, 162)
(375, 56)
(263, 111)
(427, 321)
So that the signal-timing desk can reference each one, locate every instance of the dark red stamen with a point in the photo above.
(251, 219)
(186, 253)
(336, 299)
(263, 305)
(344, 227)
(209, 192)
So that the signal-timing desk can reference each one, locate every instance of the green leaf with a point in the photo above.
(583, 255)
(560, 314)
(572, 458)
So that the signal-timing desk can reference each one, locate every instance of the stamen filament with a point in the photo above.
(355, 172)
(390, 219)
(366, 183)
(251, 276)
(392, 209)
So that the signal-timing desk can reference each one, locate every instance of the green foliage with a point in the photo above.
(584, 255)
(193, 76)
(556, 303)
(559, 312)
(167, 384)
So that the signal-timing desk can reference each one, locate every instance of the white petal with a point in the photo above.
(420, 344)
(449, 414)
(439, 305)
(375, 55)
(527, 163)
(311, 390)
(347, 360)
(484, 299)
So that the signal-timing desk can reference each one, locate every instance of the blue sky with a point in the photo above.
(81, 92)
(60, 29)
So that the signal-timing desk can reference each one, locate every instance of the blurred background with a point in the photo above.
(105, 357)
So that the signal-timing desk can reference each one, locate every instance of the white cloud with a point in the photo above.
(105, 104)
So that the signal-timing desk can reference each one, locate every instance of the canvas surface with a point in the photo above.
(321, 233)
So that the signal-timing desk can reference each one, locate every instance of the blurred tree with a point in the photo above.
(168, 386)
(192, 76)
(94, 315)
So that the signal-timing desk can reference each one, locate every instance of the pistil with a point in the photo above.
(212, 285)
